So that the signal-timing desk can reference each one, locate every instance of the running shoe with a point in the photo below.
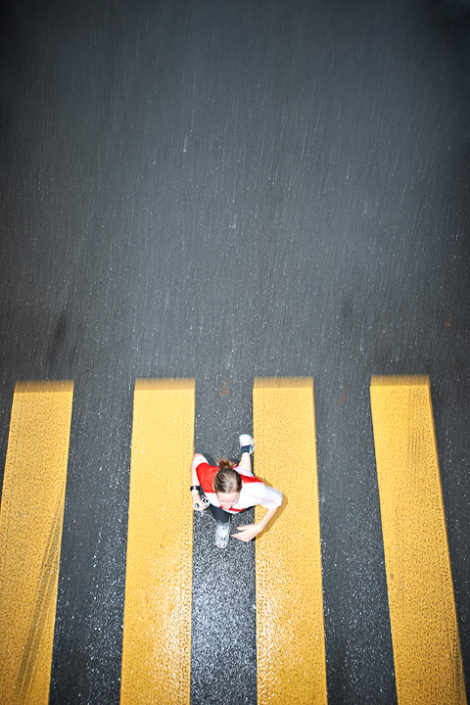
(222, 534)
(247, 443)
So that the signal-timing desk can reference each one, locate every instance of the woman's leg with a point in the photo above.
(222, 529)
(245, 462)
(220, 515)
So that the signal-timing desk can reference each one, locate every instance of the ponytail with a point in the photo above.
(225, 464)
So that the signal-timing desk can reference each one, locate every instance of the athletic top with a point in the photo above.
(253, 491)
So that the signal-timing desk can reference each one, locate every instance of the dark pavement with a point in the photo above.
(221, 191)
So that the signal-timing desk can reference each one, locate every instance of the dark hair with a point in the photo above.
(227, 479)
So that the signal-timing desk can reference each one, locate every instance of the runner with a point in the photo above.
(228, 488)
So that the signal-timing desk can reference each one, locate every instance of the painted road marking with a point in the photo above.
(426, 647)
(290, 628)
(157, 614)
(31, 522)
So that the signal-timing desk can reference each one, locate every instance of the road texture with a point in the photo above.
(219, 191)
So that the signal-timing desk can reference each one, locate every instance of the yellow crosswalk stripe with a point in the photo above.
(31, 522)
(157, 613)
(290, 628)
(426, 647)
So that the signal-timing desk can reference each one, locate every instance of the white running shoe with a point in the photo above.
(222, 534)
(247, 440)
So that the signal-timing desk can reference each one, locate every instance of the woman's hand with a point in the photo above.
(247, 532)
(198, 504)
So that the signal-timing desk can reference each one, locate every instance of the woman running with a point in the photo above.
(228, 489)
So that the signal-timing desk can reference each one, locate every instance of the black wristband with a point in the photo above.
(195, 487)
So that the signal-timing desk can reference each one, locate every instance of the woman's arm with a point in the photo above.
(195, 495)
(249, 531)
(196, 460)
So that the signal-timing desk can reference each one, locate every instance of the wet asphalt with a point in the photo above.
(222, 191)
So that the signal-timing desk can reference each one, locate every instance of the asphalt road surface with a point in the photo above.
(223, 190)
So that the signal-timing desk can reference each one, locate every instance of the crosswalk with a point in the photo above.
(156, 648)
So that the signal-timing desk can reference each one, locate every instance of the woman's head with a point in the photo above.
(227, 484)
